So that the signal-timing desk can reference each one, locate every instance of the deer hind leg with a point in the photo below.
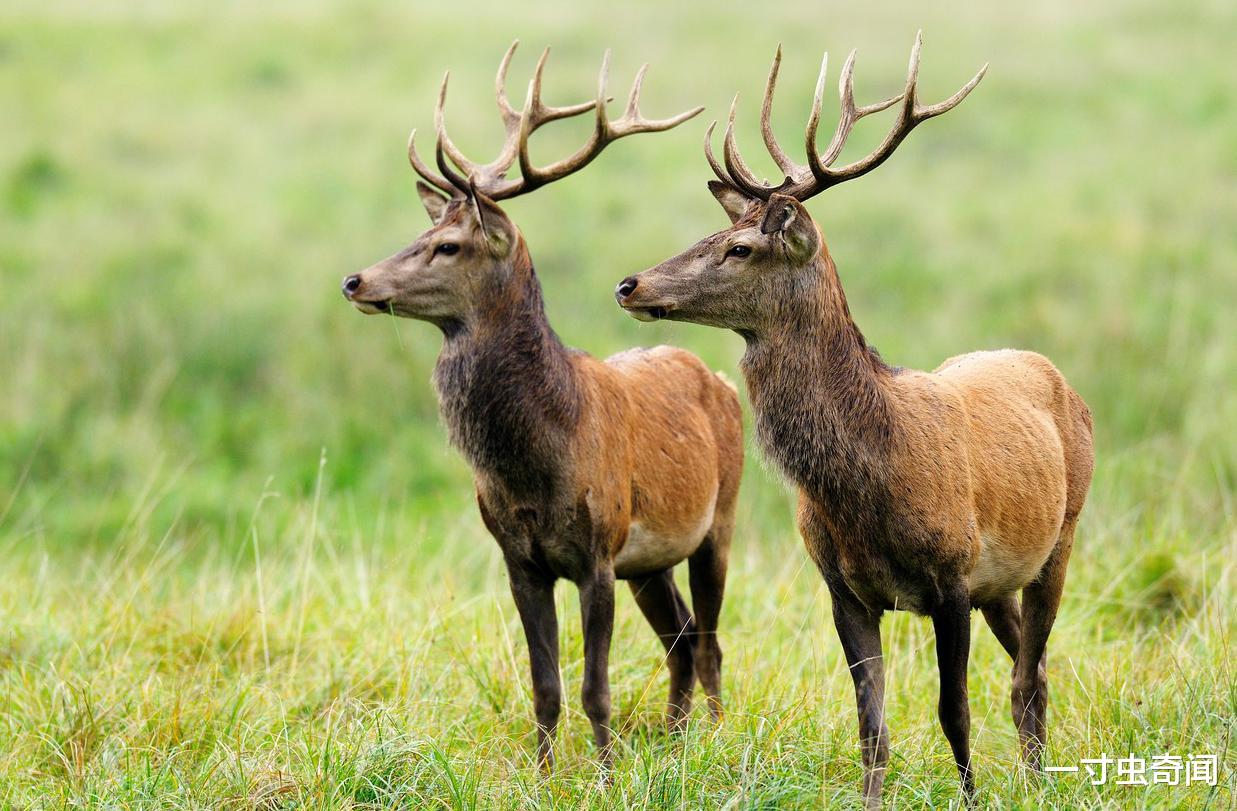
(664, 608)
(707, 573)
(1004, 617)
(1040, 600)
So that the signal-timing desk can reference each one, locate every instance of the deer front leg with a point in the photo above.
(534, 599)
(859, 631)
(952, 623)
(597, 614)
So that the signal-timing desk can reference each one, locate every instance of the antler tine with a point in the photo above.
(625, 127)
(424, 171)
(633, 98)
(924, 113)
(541, 114)
(910, 115)
(509, 113)
(604, 132)
(602, 118)
(813, 120)
(851, 113)
(457, 180)
(912, 74)
(633, 121)
(445, 143)
(920, 114)
(779, 155)
(511, 121)
(743, 177)
(721, 173)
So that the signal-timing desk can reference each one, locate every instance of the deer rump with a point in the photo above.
(676, 437)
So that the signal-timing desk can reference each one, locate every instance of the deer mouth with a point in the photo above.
(373, 307)
(648, 313)
(641, 311)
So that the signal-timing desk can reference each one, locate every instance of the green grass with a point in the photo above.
(242, 567)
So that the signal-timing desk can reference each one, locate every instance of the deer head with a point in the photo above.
(741, 278)
(445, 275)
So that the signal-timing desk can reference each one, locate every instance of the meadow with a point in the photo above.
(240, 566)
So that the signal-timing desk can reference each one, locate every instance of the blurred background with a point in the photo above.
(185, 186)
(182, 387)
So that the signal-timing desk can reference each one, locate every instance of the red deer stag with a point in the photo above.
(584, 469)
(929, 492)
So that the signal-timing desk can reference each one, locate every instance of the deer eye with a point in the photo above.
(739, 250)
(447, 249)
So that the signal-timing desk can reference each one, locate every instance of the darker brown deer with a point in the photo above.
(929, 492)
(587, 470)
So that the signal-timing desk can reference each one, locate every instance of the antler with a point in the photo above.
(807, 180)
(491, 173)
(490, 179)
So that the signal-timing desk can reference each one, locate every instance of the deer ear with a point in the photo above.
(435, 203)
(787, 218)
(734, 201)
(495, 226)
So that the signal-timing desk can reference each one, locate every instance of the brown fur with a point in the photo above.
(587, 470)
(931, 492)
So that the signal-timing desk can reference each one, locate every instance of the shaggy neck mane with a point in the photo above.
(821, 396)
(506, 386)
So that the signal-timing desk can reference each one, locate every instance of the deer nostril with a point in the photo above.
(626, 288)
(351, 285)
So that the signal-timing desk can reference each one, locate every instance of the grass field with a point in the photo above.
(241, 567)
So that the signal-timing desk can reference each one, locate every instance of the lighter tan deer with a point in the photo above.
(584, 470)
(929, 492)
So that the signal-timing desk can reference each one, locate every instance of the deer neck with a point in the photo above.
(822, 396)
(507, 388)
